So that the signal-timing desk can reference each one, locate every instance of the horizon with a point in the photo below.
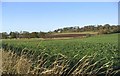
(57, 28)
(48, 16)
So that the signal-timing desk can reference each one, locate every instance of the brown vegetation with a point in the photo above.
(65, 35)
(14, 64)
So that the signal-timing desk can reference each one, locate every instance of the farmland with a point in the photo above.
(73, 49)
(70, 34)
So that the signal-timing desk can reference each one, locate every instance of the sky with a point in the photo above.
(59, 0)
(48, 16)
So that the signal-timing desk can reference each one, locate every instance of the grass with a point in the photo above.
(76, 55)
(14, 64)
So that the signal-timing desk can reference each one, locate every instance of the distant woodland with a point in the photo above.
(101, 29)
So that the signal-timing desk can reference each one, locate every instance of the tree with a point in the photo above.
(17, 34)
(42, 34)
(12, 35)
(4, 35)
(25, 34)
(34, 35)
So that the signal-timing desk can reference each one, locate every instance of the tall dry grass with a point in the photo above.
(24, 63)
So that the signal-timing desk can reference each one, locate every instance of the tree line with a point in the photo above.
(101, 29)
(22, 34)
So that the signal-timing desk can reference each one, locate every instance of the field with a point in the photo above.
(99, 51)
(70, 34)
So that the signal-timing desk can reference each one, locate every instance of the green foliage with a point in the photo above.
(105, 29)
(101, 29)
(3, 35)
(103, 45)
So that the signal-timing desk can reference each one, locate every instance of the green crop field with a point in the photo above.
(103, 46)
